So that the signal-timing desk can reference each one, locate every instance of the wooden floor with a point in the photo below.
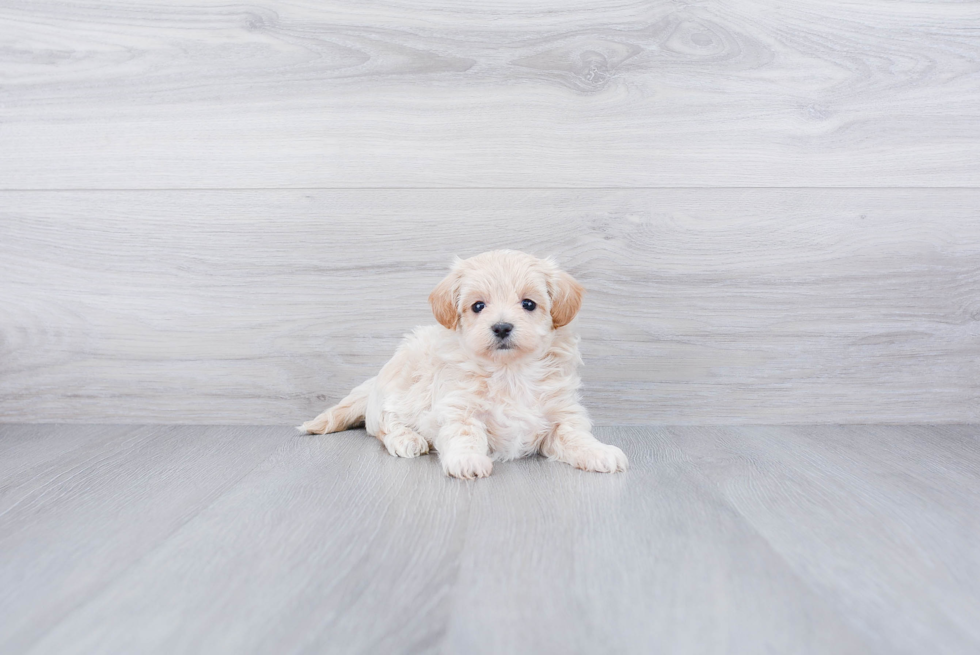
(169, 539)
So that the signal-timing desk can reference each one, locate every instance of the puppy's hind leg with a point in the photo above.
(345, 414)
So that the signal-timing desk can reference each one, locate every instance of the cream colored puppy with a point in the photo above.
(496, 380)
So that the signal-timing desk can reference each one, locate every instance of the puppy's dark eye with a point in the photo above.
(478, 307)
(529, 305)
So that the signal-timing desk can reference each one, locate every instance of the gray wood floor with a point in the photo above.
(128, 539)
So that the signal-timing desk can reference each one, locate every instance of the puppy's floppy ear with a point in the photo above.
(444, 299)
(566, 297)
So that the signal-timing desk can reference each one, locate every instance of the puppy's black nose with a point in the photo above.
(502, 329)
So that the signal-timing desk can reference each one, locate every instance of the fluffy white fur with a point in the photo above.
(474, 396)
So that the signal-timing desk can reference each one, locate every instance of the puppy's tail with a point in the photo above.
(345, 414)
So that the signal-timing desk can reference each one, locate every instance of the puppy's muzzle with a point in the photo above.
(502, 331)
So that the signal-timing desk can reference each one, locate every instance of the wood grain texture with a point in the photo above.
(717, 540)
(72, 522)
(890, 482)
(703, 306)
(114, 94)
(326, 547)
(652, 561)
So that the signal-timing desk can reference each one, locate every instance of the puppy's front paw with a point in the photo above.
(467, 466)
(406, 443)
(599, 457)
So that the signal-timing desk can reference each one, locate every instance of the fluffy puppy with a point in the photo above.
(495, 380)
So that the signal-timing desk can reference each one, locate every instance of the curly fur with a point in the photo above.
(475, 397)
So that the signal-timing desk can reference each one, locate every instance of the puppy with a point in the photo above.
(496, 380)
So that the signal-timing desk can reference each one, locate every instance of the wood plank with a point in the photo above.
(70, 526)
(704, 306)
(23, 447)
(821, 539)
(112, 94)
(332, 545)
(881, 520)
(654, 560)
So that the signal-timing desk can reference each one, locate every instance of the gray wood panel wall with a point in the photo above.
(230, 213)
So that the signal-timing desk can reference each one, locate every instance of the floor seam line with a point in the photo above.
(156, 547)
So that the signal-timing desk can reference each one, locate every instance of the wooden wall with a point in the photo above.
(215, 213)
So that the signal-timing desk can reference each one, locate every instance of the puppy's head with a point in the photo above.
(506, 304)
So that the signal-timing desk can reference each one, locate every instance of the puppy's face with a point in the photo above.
(506, 304)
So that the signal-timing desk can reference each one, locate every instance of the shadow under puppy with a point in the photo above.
(496, 379)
